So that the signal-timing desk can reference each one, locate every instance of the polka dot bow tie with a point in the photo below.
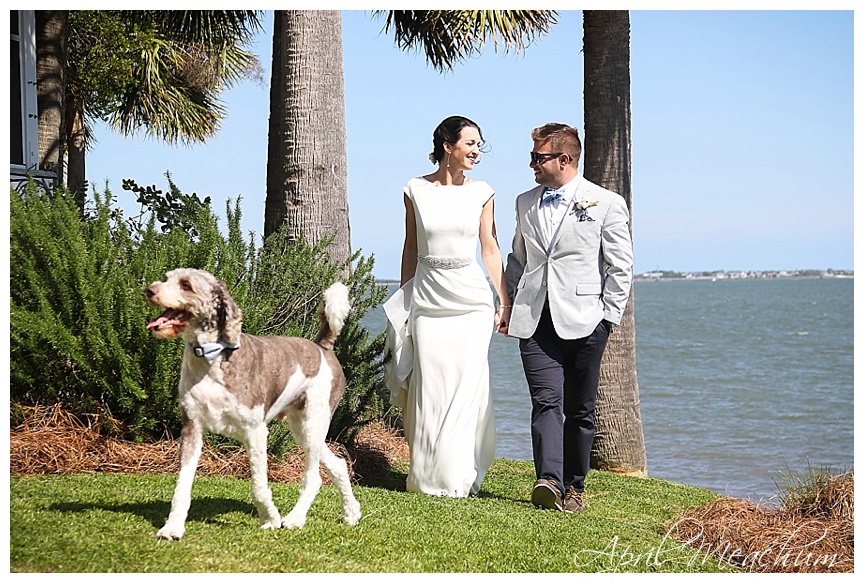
(552, 194)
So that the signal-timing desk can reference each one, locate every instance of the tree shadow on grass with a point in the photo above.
(206, 509)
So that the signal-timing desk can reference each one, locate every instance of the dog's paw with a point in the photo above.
(171, 532)
(293, 521)
(351, 513)
(270, 524)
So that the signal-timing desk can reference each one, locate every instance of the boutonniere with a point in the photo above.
(580, 209)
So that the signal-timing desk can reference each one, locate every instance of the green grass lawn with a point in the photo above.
(108, 523)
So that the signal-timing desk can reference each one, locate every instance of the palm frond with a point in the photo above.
(175, 83)
(449, 36)
(163, 107)
(216, 68)
(204, 27)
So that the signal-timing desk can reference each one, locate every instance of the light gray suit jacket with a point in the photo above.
(586, 275)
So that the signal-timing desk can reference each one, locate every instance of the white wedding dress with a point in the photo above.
(447, 406)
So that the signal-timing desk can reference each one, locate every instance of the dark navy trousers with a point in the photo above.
(562, 376)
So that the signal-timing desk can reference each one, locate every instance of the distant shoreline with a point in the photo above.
(718, 276)
(728, 278)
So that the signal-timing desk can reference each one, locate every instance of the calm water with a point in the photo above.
(740, 381)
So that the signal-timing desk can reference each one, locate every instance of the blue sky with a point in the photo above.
(742, 127)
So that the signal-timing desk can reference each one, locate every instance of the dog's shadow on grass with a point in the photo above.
(204, 509)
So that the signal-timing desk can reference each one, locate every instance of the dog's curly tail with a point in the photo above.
(333, 311)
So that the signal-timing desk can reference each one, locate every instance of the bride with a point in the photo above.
(442, 318)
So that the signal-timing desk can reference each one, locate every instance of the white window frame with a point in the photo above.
(29, 106)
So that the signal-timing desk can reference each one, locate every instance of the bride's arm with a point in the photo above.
(409, 247)
(490, 252)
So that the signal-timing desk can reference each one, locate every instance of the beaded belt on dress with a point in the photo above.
(444, 262)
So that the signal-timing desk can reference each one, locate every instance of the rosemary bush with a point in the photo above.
(78, 316)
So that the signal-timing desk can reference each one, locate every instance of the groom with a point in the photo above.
(568, 277)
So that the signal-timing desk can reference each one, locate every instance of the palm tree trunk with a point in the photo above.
(619, 444)
(51, 87)
(76, 180)
(307, 176)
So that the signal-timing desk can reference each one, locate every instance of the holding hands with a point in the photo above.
(502, 319)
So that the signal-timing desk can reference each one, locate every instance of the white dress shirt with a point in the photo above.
(552, 213)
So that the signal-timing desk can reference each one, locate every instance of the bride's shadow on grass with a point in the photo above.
(393, 479)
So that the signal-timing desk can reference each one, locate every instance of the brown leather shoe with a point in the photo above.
(573, 501)
(546, 495)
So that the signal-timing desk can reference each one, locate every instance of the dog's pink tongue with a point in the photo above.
(166, 319)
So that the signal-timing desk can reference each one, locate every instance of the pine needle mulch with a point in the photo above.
(811, 531)
(50, 440)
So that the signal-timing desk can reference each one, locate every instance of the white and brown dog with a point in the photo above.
(233, 384)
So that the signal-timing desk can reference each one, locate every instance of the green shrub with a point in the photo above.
(78, 316)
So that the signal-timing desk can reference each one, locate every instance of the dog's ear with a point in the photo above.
(229, 316)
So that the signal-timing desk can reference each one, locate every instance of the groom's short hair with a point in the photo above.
(562, 138)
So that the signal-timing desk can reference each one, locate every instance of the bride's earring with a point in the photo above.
(448, 159)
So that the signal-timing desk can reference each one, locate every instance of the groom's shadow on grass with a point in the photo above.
(206, 509)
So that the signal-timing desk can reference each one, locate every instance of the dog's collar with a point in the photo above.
(210, 350)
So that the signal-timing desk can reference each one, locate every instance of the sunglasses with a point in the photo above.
(540, 157)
